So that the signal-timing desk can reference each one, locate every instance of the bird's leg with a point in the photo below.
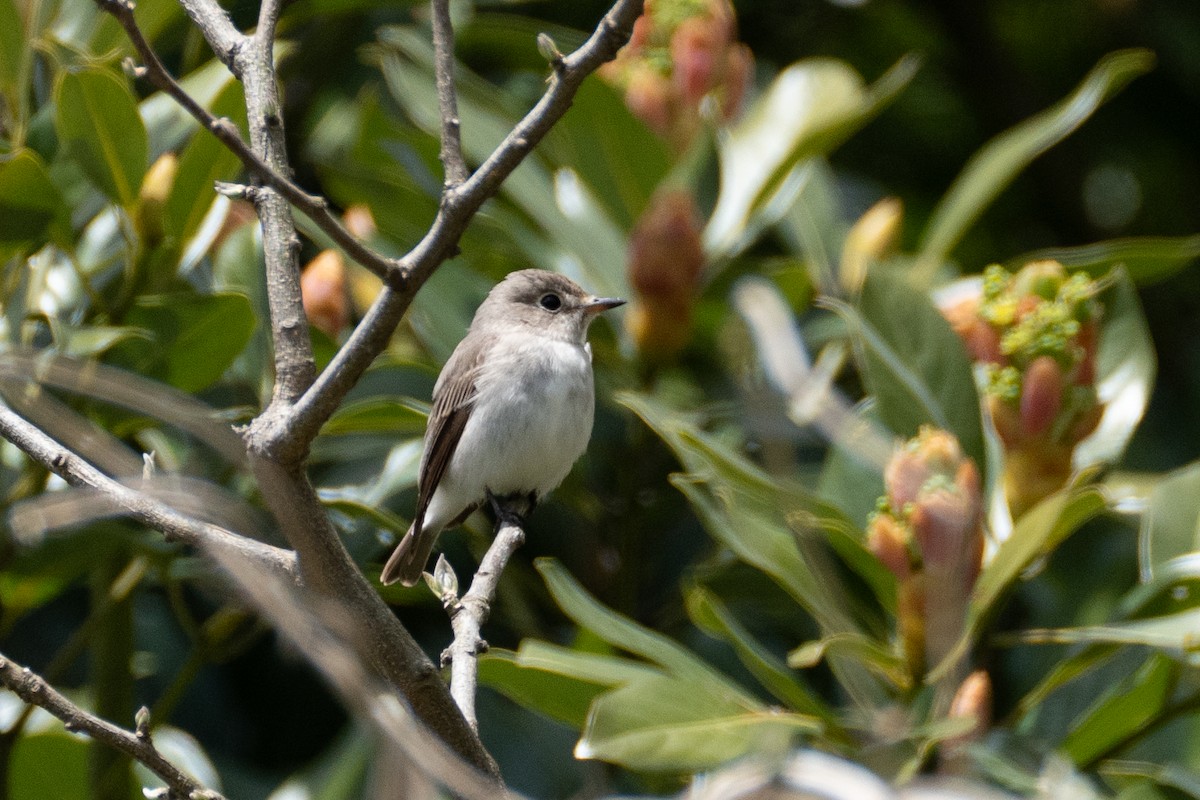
(513, 508)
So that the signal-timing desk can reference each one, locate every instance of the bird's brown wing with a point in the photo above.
(452, 402)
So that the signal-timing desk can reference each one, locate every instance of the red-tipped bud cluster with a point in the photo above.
(1037, 332)
(665, 263)
(928, 532)
(323, 291)
(682, 52)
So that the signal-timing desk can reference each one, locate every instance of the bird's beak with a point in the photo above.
(598, 304)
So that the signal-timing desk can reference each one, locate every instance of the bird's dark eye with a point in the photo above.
(550, 301)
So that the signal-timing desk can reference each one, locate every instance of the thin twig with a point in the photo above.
(314, 206)
(145, 509)
(30, 687)
(443, 66)
(290, 437)
(468, 615)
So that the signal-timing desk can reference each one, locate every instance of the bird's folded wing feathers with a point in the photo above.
(451, 409)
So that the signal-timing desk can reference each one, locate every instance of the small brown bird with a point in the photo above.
(512, 408)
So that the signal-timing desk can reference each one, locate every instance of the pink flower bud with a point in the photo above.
(323, 290)
(888, 539)
(1041, 396)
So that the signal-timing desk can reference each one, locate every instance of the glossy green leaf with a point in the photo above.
(999, 161)
(556, 681)
(1171, 632)
(375, 415)
(13, 46)
(51, 763)
(1171, 522)
(877, 656)
(615, 154)
(99, 126)
(185, 752)
(916, 368)
(620, 631)
(356, 508)
(1070, 669)
(1126, 363)
(811, 107)
(31, 207)
(710, 615)
(203, 162)
(192, 339)
(1147, 259)
(663, 723)
(1122, 711)
(596, 668)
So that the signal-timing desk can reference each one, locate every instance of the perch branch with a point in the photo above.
(443, 64)
(468, 615)
(31, 688)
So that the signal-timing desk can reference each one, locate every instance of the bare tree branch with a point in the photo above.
(227, 48)
(147, 510)
(443, 64)
(30, 687)
(288, 438)
(468, 615)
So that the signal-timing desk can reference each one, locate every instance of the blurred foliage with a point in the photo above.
(705, 585)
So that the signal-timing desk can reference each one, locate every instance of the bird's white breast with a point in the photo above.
(530, 422)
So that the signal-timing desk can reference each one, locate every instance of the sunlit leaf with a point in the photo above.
(663, 723)
(1125, 366)
(204, 161)
(1147, 259)
(1122, 711)
(31, 207)
(52, 763)
(993, 167)
(1176, 633)
(710, 614)
(548, 691)
(916, 368)
(876, 655)
(376, 415)
(620, 631)
(99, 126)
(1171, 522)
(192, 338)
(810, 108)
(13, 48)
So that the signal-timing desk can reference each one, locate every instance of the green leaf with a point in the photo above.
(1122, 711)
(48, 764)
(710, 615)
(999, 161)
(98, 124)
(620, 631)
(662, 723)
(1171, 632)
(915, 367)
(192, 338)
(873, 654)
(542, 683)
(13, 48)
(1125, 367)
(31, 207)
(377, 415)
(595, 668)
(1147, 259)
(204, 161)
(811, 108)
(1171, 522)
(356, 508)
(615, 154)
